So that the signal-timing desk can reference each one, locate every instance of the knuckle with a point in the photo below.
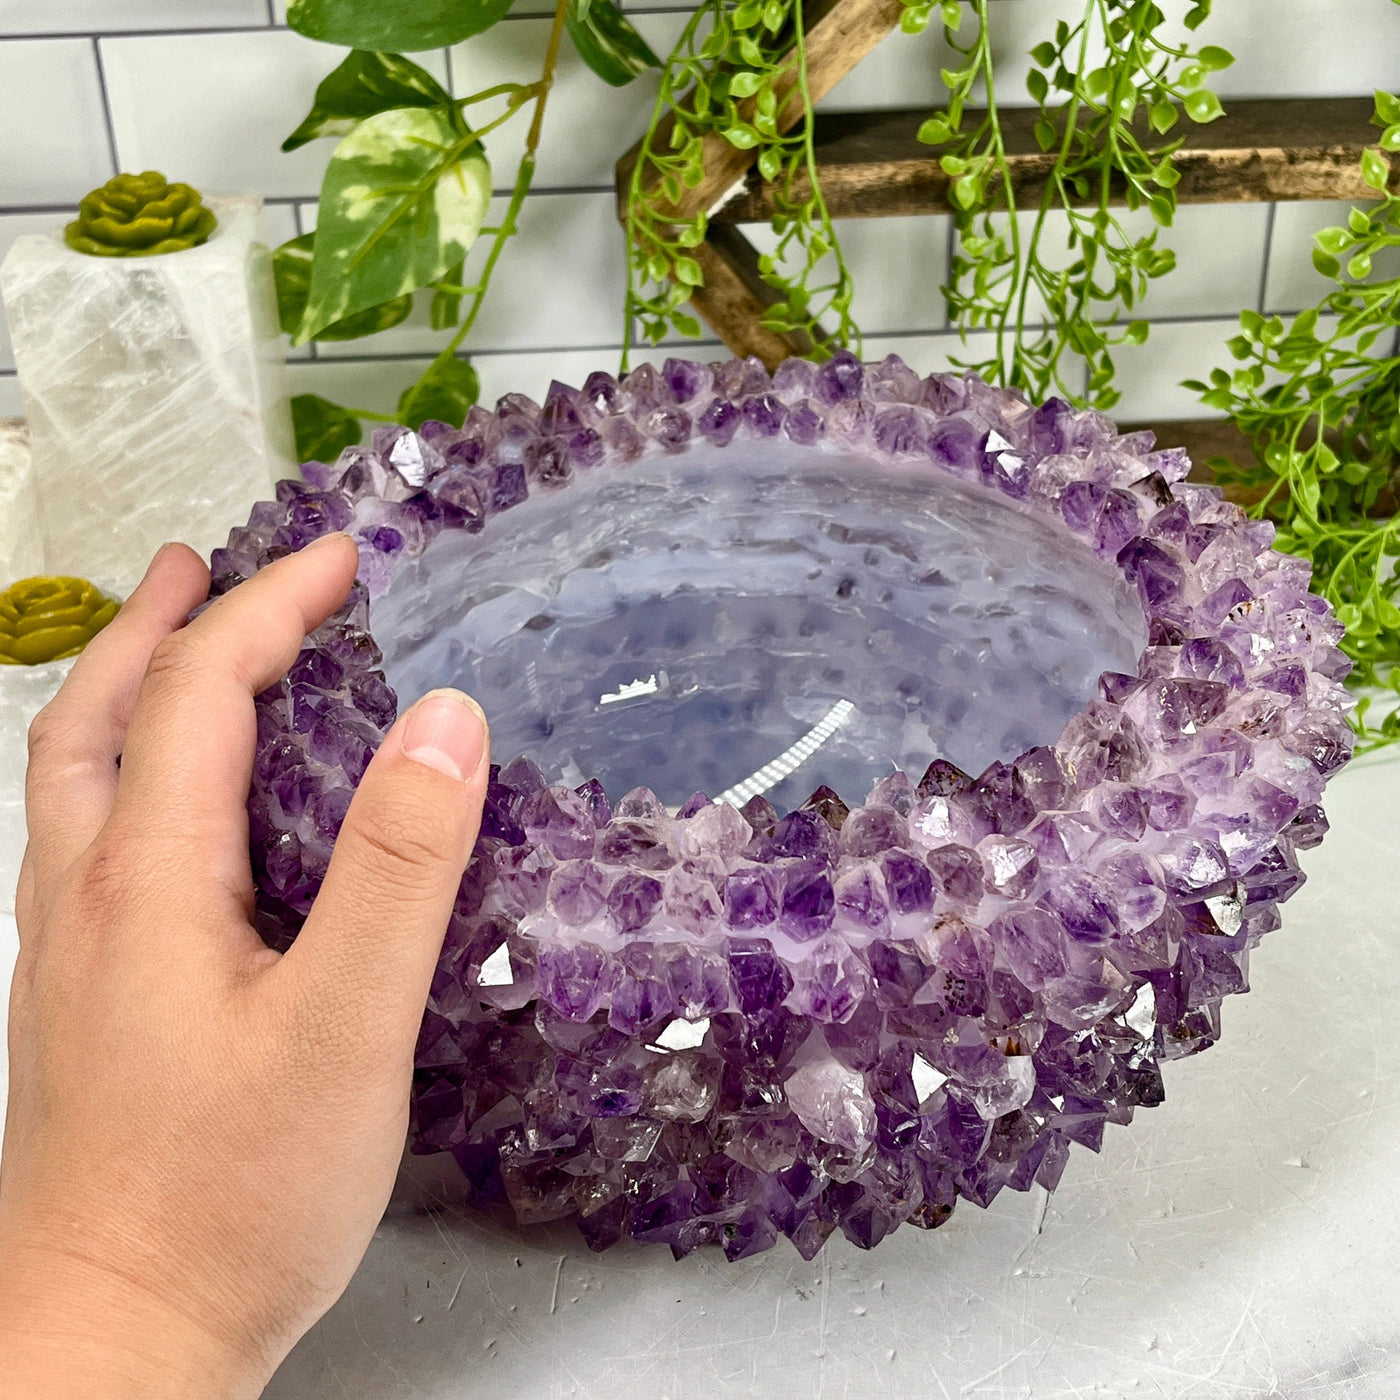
(398, 849)
(48, 736)
(175, 662)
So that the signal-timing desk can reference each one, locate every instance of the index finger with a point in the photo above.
(188, 757)
(74, 744)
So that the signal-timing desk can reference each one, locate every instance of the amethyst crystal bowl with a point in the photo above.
(1015, 735)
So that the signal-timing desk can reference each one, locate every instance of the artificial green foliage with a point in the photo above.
(445, 393)
(139, 216)
(607, 42)
(403, 199)
(406, 191)
(400, 25)
(291, 267)
(1319, 399)
(1105, 119)
(725, 78)
(323, 429)
(364, 84)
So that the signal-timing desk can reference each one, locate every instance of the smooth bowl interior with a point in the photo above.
(688, 622)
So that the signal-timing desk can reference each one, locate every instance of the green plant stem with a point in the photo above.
(517, 100)
(982, 59)
(637, 212)
(1047, 200)
(809, 153)
(524, 176)
(498, 91)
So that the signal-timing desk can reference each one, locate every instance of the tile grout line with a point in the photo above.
(310, 198)
(256, 27)
(196, 31)
(671, 347)
(1268, 255)
(106, 106)
(952, 248)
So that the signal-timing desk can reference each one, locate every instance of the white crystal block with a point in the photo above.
(24, 691)
(21, 535)
(154, 388)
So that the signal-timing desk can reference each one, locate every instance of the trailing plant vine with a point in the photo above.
(729, 77)
(1107, 89)
(406, 191)
(1319, 399)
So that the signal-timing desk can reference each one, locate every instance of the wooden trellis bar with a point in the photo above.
(872, 165)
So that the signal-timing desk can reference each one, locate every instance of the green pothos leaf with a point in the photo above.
(323, 429)
(383, 25)
(448, 388)
(403, 200)
(291, 271)
(366, 83)
(607, 42)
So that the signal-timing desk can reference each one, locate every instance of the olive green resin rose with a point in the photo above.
(137, 216)
(46, 619)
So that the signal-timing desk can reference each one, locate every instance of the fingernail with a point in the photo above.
(446, 730)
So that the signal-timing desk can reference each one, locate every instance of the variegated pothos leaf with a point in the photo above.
(403, 200)
(361, 85)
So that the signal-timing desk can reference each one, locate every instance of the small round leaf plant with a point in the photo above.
(140, 216)
(690, 1021)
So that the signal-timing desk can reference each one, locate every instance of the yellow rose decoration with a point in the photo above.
(135, 216)
(44, 619)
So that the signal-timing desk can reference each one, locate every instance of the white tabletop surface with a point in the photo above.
(1240, 1241)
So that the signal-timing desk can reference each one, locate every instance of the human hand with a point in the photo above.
(202, 1134)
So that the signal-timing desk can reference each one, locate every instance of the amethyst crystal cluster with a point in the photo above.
(689, 1022)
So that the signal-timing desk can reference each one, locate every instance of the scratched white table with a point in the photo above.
(1240, 1241)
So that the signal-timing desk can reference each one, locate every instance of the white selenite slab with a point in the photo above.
(154, 392)
(21, 533)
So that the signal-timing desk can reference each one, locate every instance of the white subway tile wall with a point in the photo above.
(104, 17)
(56, 141)
(205, 90)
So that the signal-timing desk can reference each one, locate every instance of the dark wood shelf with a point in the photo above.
(871, 164)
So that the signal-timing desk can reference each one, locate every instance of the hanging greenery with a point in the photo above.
(1055, 290)
(1319, 399)
(730, 76)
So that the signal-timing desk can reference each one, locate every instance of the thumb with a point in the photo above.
(374, 934)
